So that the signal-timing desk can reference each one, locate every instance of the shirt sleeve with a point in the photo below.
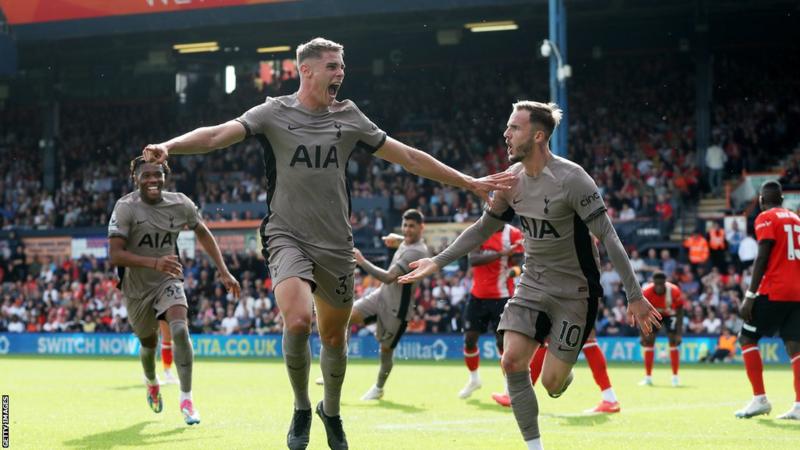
(256, 119)
(501, 208)
(193, 216)
(765, 227)
(369, 137)
(584, 196)
(407, 258)
(120, 223)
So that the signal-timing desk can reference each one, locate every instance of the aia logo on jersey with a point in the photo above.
(302, 157)
(156, 240)
(538, 229)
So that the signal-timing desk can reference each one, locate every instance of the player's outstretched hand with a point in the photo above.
(359, 256)
(157, 153)
(501, 181)
(230, 283)
(643, 314)
(170, 264)
(393, 240)
(422, 268)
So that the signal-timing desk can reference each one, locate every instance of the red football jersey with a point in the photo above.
(669, 302)
(780, 282)
(491, 281)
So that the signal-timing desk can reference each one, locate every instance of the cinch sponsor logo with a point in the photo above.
(589, 198)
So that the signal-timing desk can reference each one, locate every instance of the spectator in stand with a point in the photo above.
(627, 213)
(416, 324)
(734, 237)
(16, 325)
(696, 320)
(668, 264)
(610, 280)
(748, 249)
(711, 323)
(715, 163)
(717, 246)
(697, 245)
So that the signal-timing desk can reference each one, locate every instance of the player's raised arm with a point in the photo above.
(209, 244)
(200, 140)
(585, 199)
(473, 236)
(424, 165)
(386, 276)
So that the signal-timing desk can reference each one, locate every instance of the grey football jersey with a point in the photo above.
(561, 258)
(150, 230)
(397, 297)
(306, 155)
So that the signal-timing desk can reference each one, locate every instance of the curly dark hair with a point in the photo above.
(139, 160)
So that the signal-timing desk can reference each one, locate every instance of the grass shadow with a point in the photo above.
(779, 424)
(587, 419)
(487, 406)
(129, 387)
(408, 409)
(130, 436)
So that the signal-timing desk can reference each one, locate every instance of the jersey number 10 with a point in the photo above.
(792, 235)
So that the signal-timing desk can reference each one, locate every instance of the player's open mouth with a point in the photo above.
(333, 89)
(152, 189)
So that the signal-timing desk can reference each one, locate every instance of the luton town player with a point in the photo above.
(772, 302)
(491, 288)
(668, 300)
(307, 138)
(558, 204)
(143, 234)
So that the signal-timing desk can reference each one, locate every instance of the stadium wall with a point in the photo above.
(430, 347)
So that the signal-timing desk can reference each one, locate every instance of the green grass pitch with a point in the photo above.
(100, 403)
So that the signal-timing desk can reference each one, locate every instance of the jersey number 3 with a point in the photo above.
(792, 241)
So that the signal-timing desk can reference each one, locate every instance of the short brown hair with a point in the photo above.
(548, 115)
(315, 48)
(415, 215)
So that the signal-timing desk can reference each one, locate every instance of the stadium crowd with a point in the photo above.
(634, 139)
(81, 295)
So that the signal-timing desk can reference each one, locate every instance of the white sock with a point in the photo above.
(760, 398)
(796, 405)
(648, 377)
(186, 396)
(505, 380)
(474, 377)
(608, 395)
(167, 372)
(534, 444)
(153, 382)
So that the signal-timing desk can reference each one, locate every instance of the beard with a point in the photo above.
(522, 152)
